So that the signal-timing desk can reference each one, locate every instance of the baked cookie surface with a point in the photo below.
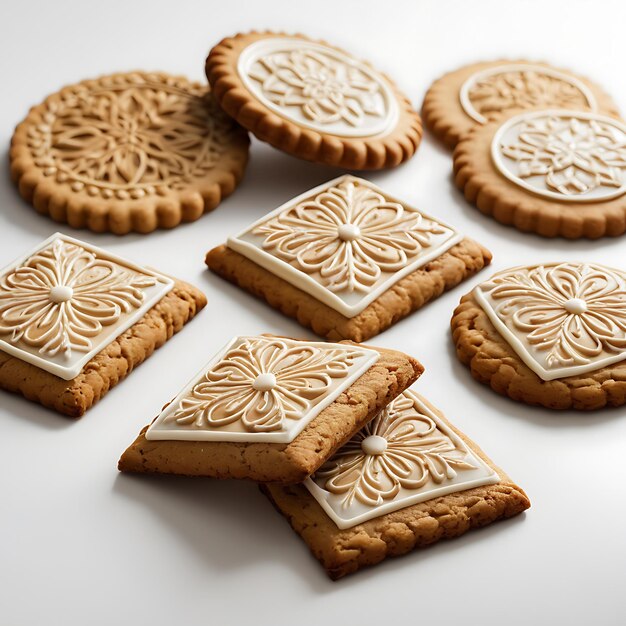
(313, 100)
(551, 335)
(554, 173)
(347, 259)
(405, 481)
(128, 152)
(477, 93)
(75, 320)
(270, 409)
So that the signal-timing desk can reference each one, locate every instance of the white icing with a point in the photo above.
(61, 293)
(345, 242)
(575, 306)
(562, 319)
(66, 300)
(374, 445)
(404, 456)
(261, 389)
(524, 86)
(264, 382)
(570, 156)
(318, 87)
(348, 232)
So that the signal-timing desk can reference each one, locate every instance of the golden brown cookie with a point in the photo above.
(128, 152)
(551, 335)
(347, 260)
(474, 94)
(313, 100)
(554, 173)
(270, 409)
(406, 481)
(75, 321)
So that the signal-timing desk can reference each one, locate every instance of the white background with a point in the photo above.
(80, 544)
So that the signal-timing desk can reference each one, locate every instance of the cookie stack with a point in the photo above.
(361, 465)
(536, 148)
(276, 410)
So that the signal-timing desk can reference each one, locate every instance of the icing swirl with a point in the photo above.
(520, 86)
(562, 319)
(317, 86)
(62, 297)
(348, 236)
(415, 452)
(563, 155)
(261, 384)
(407, 454)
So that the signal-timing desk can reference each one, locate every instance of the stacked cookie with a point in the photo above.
(276, 410)
(75, 320)
(536, 148)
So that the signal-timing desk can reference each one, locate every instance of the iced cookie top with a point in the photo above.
(473, 95)
(319, 87)
(496, 90)
(345, 242)
(562, 319)
(569, 156)
(261, 389)
(407, 454)
(313, 100)
(67, 300)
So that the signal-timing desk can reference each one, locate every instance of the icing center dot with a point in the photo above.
(348, 232)
(264, 382)
(374, 444)
(575, 306)
(61, 293)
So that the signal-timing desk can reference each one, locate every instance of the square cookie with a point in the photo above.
(406, 480)
(347, 260)
(270, 409)
(75, 320)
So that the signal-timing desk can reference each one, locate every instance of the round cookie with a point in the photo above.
(128, 152)
(554, 173)
(471, 95)
(552, 335)
(313, 101)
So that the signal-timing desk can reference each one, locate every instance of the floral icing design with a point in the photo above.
(348, 236)
(490, 93)
(571, 313)
(260, 383)
(323, 88)
(568, 155)
(407, 451)
(128, 136)
(63, 296)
